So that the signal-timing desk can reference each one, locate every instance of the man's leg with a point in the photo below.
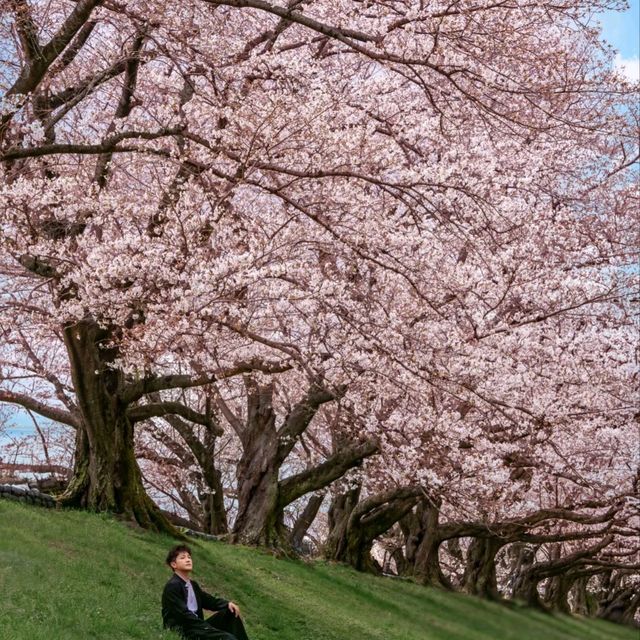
(201, 630)
(226, 621)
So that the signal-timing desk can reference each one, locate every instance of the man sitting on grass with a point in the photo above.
(183, 601)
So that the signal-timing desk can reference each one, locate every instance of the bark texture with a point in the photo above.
(426, 559)
(262, 496)
(480, 571)
(354, 525)
(106, 476)
(304, 521)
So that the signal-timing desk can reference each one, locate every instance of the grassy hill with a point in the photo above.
(76, 576)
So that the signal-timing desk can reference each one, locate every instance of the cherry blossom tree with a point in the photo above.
(427, 207)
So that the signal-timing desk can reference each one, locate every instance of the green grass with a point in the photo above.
(68, 575)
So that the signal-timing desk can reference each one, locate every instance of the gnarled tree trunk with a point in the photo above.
(621, 607)
(262, 496)
(357, 524)
(526, 589)
(106, 475)
(215, 513)
(584, 603)
(480, 570)
(258, 520)
(557, 593)
(341, 508)
(427, 562)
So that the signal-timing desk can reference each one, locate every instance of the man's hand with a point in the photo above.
(235, 609)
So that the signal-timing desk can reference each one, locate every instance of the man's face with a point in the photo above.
(182, 562)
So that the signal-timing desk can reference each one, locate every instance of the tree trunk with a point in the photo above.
(403, 568)
(215, 513)
(355, 526)
(355, 549)
(556, 593)
(480, 570)
(557, 596)
(258, 521)
(302, 524)
(106, 475)
(210, 509)
(427, 562)
(262, 496)
(521, 559)
(621, 607)
(526, 589)
(413, 532)
(584, 602)
(340, 510)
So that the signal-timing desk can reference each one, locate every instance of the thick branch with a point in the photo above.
(236, 424)
(37, 266)
(516, 529)
(385, 517)
(305, 520)
(124, 105)
(53, 413)
(73, 94)
(184, 457)
(294, 487)
(302, 414)
(561, 537)
(152, 384)
(186, 433)
(564, 514)
(26, 29)
(368, 506)
(555, 567)
(32, 74)
(160, 409)
(295, 16)
(108, 145)
(76, 46)
(70, 28)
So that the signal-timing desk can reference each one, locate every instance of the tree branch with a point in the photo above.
(53, 413)
(32, 74)
(379, 500)
(27, 30)
(295, 16)
(151, 384)
(236, 424)
(301, 415)
(165, 408)
(124, 105)
(108, 145)
(554, 567)
(320, 476)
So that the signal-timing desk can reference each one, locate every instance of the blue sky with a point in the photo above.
(622, 30)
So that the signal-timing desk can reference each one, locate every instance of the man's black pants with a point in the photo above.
(221, 626)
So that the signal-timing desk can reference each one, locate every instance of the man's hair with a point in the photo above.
(174, 552)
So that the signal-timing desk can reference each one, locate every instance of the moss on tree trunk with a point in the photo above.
(106, 473)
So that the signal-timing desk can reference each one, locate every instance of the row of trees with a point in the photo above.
(355, 273)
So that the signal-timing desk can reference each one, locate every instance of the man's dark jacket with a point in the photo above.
(175, 614)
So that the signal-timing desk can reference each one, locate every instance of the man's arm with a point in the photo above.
(209, 602)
